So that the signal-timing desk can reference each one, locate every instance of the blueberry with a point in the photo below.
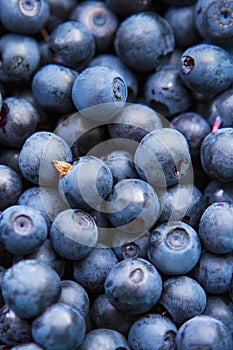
(75, 296)
(60, 327)
(133, 123)
(216, 228)
(67, 39)
(38, 153)
(45, 253)
(136, 47)
(126, 249)
(174, 248)
(217, 191)
(20, 55)
(133, 286)
(13, 329)
(133, 206)
(27, 346)
(221, 309)
(121, 164)
(162, 157)
(9, 157)
(152, 332)
(126, 7)
(61, 8)
(221, 108)
(214, 20)
(194, 127)
(203, 332)
(45, 199)
(91, 271)
(73, 234)
(52, 86)
(181, 202)
(99, 93)
(22, 229)
(2, 271)
(178, 17)
(29, 286)
(99, 19)
(10, 186)
(105, 315)
(114, 62)
(206, 68)
(24, 16)
(106, 339)
(183, 298)
(217, 154)
(87, 184)
(19, 119)
(214, 272)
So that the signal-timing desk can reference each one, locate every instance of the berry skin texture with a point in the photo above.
(217, 155)
(99, 93)
(146, 329)
(10, 186)
(20, 57)
(52, 86)
(60, 327)
(174, 249)
(204, 332)
(216, 228)
(162, 157)
(22, 229)
(29, 287)
(23, 16)
(133, 286)
(38, 153)
(206, 68)
(133, 42)
(73, 234)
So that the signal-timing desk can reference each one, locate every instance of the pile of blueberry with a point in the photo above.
(116, 175)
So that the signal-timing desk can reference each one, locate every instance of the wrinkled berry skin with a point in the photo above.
(217, 155)
(214, 20)
(20, 57)
(99, 93)
(21, 120)
(68, 39)
(204, 332)
(174, 249)
(106, 339)
(216, 228)
(22, 229)
(60, 327)
(146, 329)
(133, 206)
(73, 234)
(206, 68)
(13, 329)
(133, 42)
(133, 286)
(52, 86)
(10, 186)
(162, 157)
(29, 287)
(22, 16)
(183, 298)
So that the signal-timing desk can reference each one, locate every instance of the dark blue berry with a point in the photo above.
(10, 186)
(106, 339)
